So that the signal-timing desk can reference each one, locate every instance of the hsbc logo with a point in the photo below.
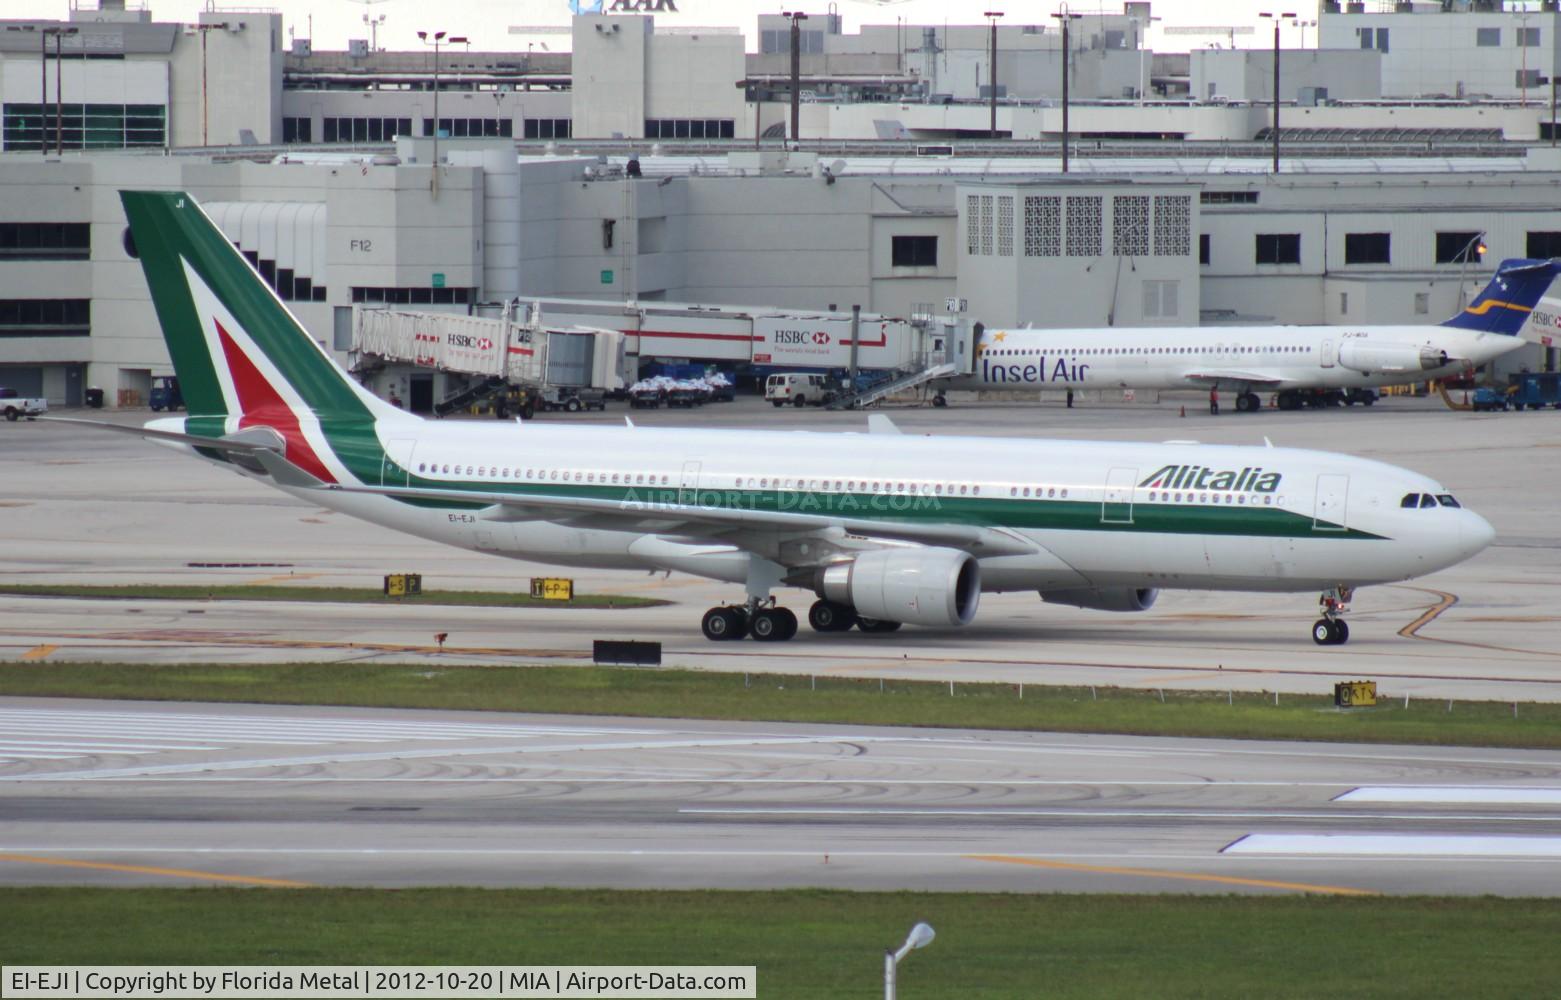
(802, 337)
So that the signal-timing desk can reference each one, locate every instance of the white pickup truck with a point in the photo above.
(14, 405)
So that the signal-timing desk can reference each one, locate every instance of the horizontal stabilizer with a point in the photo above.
(249, 441)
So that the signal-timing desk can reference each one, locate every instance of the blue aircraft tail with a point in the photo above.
(1503, 306)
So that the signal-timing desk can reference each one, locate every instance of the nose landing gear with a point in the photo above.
(1331, 629)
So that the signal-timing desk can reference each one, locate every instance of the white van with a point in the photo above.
(797, 389)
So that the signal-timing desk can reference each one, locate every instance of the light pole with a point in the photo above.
(1065, 17)
(797, 17)
(921, 935)
(203, 29)
(1276, 18)
(993, 15)
(373, 23)
(438, 37)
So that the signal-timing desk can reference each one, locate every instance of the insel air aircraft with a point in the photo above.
(885, 530)
(1244, 359)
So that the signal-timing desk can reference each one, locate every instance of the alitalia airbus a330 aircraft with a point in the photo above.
(884, 529)
(1287, 360)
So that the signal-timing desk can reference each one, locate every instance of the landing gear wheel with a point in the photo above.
(876, 625)
(772, 625)
(1334, 632)
(940, 400)
(828, 616)
(721, 624)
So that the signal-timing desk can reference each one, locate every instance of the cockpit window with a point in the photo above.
(1427, 501)
(1410, 500)
(1448, 500)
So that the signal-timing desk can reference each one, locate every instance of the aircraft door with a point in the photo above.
(1329, 514)
(688, 484)
(1328, 354)
(1117, 507)
(393, 472)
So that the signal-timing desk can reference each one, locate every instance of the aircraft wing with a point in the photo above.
(1211, 376)
(662, 517)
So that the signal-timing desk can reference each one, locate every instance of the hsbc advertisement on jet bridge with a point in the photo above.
(822, 342)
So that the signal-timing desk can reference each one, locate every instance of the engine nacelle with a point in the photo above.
(1365, 356)
(1104, 598)
(930, 586)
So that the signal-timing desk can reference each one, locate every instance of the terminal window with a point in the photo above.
(1459, 248)
(45, 317)
(690, 128)
(362, 129)
(1543, 245)
(1278, 248)
(1227, 198)
(1203, 248)
(1368, 248)
(298, 129)
(419, 296)
(547, 128)
(1526, 37)
(45, 241)
(1487, 37)
(469, 128)
(914, 251)
(84, 126)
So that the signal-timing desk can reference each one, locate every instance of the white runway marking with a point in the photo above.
(1396, 845)
(1106, 813)
(1466, 794)
(442, 753)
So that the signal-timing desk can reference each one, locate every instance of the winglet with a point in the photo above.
(879, 423)
(285, 473)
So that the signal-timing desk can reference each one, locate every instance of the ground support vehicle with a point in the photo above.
(15, 406)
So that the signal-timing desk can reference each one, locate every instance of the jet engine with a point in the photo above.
(925, 586)
(1104, 598)
(1365, 356)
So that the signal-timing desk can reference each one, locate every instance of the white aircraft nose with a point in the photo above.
(1474, 534)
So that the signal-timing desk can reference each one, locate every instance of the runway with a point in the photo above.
(117, 793)
(82, 507)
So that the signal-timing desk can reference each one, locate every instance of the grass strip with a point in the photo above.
(695, 694)
(327, 595)
(822, 944)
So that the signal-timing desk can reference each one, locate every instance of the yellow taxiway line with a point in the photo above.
(1256, 883)
(39, 652)
(106, 866)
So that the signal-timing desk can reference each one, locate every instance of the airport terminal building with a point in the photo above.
(657, 165)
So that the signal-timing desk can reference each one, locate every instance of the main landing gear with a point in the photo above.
(829, 616)
(763, 622)
(1331, 629)
(1248, 402)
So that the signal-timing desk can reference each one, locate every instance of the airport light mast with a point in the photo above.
(1277, 18)
(921, 935)
(993, 15)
